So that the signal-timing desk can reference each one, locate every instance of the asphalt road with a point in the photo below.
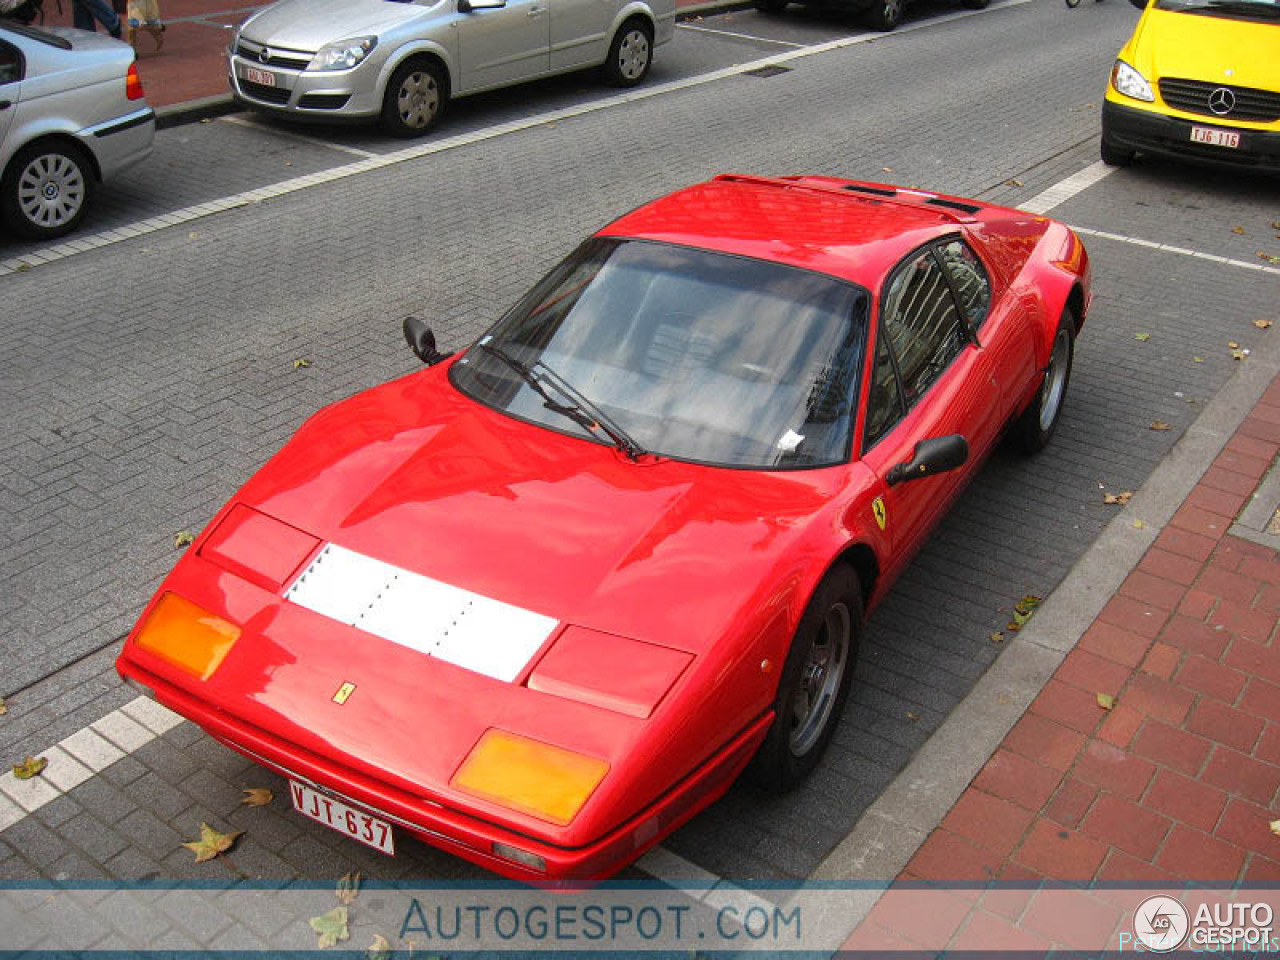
(148, 376)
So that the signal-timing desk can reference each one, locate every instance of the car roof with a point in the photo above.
(849, 229)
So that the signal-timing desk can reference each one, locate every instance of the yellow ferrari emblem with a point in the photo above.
(344, 692)
(877, 509)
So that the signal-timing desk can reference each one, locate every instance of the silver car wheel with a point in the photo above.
(1055, 379)
(51, 190)
(418, 99)
(633, 55)
(820, 679)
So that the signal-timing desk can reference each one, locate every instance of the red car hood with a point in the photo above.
(423, 478)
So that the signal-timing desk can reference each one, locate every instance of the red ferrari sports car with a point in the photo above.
(540, 602)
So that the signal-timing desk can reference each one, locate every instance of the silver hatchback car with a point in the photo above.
(400, 62)
(72, 114)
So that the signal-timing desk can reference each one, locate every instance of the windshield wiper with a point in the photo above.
(1245, 6)
(581, 411)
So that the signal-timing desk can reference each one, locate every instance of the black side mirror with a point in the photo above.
(935, 455)
(422, 341)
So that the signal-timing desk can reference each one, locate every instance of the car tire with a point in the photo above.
(814, 685)
(1114, 156)
(976, 4)
(47, 189)
(884, 15)
(1033, 429)
(415, 97)
(772, 7)
(630, 54)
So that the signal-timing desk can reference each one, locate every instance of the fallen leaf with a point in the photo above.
(300, 363)
(996, 637)
(29, 768)
(1118, 498)
(1014, 182)
(1197, 359)
(1239, 354)
(1237, 230)
(348, 888)
(1268, 257)
(331, 927)
(1275, 827)
(380, 949)
(913, 717)
(22, 268)
(183, 538)
(256, 796)
(1262, 324)
(1106, 701)
(4, 707)
(288, 163)
(1144, 337)
(1275, 224)
(887, 169)
(193, 235)
(211, 843)
(1024, 608)
(1160, 425)
(1232, 345)
(1138, 525)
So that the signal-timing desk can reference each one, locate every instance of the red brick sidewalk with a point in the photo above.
(1176, 783)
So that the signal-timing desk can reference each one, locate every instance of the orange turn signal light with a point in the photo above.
(530, 776)
(187, 635)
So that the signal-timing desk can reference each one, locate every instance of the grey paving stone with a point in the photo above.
(132, 864)
(151, 835)
(94, 837)
(125, 772)
(56, 813)
(36, 842)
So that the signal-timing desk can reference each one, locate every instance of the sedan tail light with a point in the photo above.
(133, 83)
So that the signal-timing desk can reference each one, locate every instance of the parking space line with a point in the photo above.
(291, 135)
(738, 36)
(1181, 251)
(1065, 189)
(28, 261)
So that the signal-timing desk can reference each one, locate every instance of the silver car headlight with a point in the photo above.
(342, 55)
(1130, 82)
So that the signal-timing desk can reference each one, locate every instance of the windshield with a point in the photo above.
(690, 354)
(1237, 9)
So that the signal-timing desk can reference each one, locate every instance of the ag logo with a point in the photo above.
(344, 693)
(1161, 923)
(877, 510)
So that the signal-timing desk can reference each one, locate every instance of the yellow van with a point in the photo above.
(1200, 79)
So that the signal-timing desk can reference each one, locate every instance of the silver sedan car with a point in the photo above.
(72, 114)
(400, 62)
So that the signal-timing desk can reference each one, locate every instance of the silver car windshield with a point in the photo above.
(695, 355)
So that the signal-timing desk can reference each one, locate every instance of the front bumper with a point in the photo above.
(323, 95)
(1130, 128)
(458, 833)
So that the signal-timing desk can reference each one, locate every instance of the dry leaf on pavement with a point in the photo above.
(1232, 345)
(1014, 182)
(331, 927)
(997, 637)
(256, 796)
(380, 949)
(1240, 354)
(1237, 229)
(183, 538)
(29, 768)
(1160, 425)
(1118, 498)
(1144, 337)
(1262, 324)
(1275, 261)
(348, 888)
(4, 707)
(913, 717)
(211, 843)
(301, 363)
(1022, 611)
(1106, 701)
(1275, 827)
(1138, 525)
(1197, 359)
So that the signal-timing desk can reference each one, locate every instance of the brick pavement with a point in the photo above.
(1177, 782)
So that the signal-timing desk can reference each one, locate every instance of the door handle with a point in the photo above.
(535, 11)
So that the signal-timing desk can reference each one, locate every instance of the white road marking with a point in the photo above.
(739, 36)
(1064, 190)
(1180, 251)
(275, 131)
(61, 251)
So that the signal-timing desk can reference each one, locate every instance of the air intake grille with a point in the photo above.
(1231, 103)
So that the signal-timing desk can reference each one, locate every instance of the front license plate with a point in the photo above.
(1216, 138)
(264, 77)
(335, 814)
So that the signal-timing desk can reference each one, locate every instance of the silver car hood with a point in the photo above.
(310, 24)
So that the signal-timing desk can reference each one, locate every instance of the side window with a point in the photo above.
(968, 278)
(10, 63)
(924, 327)
(884, 400)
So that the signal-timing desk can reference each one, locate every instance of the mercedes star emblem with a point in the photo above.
(1222, 101)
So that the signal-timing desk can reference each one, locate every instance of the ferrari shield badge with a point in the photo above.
(344, 693)
(877, 510)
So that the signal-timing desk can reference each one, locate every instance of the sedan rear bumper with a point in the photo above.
(459, 833)
(122, 142)
(1128, 128)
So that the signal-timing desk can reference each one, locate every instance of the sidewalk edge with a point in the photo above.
(189, 111)
(893, 828)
